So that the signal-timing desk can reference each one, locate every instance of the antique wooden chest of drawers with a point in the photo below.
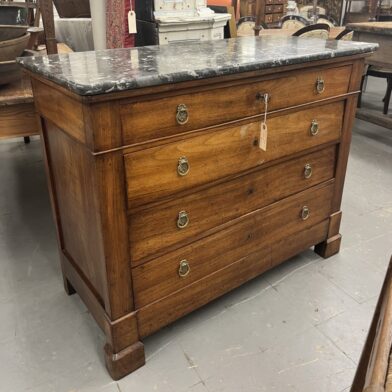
(167, 190)
(271, 10)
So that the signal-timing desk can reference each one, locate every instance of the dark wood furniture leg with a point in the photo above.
(387, 97)
(359, 104)
(46, 7)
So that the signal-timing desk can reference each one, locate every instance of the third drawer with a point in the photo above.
(179, 221)
(256, 231)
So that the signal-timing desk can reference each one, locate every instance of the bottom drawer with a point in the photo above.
(268, 18)
(258, 230)
(161, 313)
(277, 17)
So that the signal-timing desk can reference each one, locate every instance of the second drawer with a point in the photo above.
(158, 172)
(178, 221)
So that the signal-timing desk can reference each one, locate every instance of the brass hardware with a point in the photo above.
(182, 115)
(184, 269)
(314, 128)
(320, 85)
(263, 97)
(308, 171)
(183, 166)
(182, 220)
(305, 213)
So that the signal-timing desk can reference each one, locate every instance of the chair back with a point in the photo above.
(326, 21)
(293, 22)
(345, 35)
(318, 30)
(246, 26)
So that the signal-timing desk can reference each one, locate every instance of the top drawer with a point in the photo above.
(153, 119)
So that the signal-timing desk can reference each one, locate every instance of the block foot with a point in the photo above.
(329, 247)
(126, 361)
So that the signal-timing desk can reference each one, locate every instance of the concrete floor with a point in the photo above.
(300, 327)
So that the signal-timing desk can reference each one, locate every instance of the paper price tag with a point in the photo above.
(263, 136)
(132, 21)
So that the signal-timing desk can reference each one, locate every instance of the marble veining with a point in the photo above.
(106, 71)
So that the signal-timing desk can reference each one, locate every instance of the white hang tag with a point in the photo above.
(263, 125)
(263, 136)
(132, 29)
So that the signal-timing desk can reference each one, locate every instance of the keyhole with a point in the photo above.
(256, 142)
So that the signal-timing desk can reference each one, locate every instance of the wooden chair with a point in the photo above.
(17, 113)
(386, 74)
(345, 35)
(246, 26)
(318, 30)
(46, 7)
(327, 20)
(293, 22)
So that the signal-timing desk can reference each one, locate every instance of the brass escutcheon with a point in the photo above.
(182, 220)
(308, 171)
(182, 115)
(183, 166)
(184, 269)
(305, 213)
(314, 128)
(263, 97)
(320, 85)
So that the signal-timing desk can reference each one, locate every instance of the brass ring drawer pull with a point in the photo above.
(308, 171)
(182, 220)
(305, 213)
(182, 115)
(320, 85)
(183, 166)
(314, 128)
(184, 269)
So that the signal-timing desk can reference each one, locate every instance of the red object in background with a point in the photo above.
(227, 3)
(117, 35)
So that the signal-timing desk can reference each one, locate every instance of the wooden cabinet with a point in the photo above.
(164, 200)
(272, 10)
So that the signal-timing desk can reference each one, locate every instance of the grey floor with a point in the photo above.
(300, 327)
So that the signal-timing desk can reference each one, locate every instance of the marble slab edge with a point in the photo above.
(130, 79)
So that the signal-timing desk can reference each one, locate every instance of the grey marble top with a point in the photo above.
(100, 72)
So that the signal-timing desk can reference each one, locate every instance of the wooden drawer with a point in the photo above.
(167, 309)
(154, 230)
(269, 9)
(269, 1)
(153, 173)
(259, 230)
(276, 17)
(153, 119)
(278, 9)
(268, 18)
